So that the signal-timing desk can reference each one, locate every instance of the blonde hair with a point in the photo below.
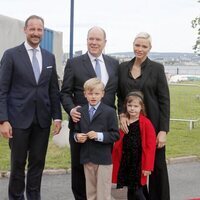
(92, 84)
(131, 97)
(144, 35)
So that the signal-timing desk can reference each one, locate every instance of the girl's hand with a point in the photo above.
(146, 173)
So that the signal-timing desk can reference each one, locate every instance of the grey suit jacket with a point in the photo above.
(104, 120)
(20, 96)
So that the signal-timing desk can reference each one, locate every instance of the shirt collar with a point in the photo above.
(96, 106)
(92, 58)
(28, 47)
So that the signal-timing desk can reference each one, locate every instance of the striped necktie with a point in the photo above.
(91, 112)
(98, 68)
(35, 64)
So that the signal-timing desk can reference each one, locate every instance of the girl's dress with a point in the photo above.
(130, 167)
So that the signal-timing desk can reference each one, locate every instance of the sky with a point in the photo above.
(167, 21)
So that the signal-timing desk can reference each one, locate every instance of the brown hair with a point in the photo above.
(33, 17)
(131, 97)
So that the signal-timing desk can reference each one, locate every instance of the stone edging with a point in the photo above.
(184, 159)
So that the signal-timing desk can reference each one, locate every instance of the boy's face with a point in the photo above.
(94, 96)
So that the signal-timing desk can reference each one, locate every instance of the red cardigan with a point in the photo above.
(148, 137)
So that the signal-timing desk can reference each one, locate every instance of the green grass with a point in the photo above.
(180, 140)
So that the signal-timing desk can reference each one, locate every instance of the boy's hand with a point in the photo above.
(146, 173)
(92, 135)
(81, 137)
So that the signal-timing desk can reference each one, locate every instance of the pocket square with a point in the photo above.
(48, 67)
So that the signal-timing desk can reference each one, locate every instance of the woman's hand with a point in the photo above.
(124, 122)
(161, 139)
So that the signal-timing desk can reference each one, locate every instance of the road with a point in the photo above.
(184, 184)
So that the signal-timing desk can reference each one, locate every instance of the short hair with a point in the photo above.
(33, 17)
(144, 35)
(93, 83)
(97, 27)
(131, 97)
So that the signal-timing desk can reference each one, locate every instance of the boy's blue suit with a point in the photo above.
(105, 121)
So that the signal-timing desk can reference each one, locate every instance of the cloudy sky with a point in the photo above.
(168, 21)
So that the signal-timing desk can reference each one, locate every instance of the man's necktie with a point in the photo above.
(98, 69)
(91, 112)
(36, 67)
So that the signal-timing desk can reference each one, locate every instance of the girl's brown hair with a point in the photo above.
(131, 97)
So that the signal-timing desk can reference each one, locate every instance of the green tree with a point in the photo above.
(196, 24)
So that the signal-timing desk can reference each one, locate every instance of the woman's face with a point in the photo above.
(141, 48)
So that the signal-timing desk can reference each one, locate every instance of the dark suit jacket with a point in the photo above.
(21, 96)
(104, 120)
(154, 86)
(77, 71)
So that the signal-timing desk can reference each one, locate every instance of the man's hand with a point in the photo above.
(124, 122)
(92, 135)
(56, 127)
(76, 116)
(161, 139)
(6, 129)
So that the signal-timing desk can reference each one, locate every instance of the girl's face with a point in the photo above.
(134, 108)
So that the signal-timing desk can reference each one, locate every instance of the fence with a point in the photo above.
(185, 103)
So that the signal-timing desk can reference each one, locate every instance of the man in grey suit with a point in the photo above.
(29, 100)
(77, 71)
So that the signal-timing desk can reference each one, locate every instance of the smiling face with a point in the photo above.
(94, 96)
(96, 41)
(141, 48)
(34, 30)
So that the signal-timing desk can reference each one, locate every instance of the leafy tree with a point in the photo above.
(196, 24)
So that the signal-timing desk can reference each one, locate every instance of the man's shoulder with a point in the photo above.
(14, 49)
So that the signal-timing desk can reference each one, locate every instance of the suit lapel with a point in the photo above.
(88, 65)
(85, 113)
(23, 55)
(98, 111)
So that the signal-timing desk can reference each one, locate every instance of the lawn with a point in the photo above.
(185, 103)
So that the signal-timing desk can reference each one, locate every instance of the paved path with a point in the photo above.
(184, 184)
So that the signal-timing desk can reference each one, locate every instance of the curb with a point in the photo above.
(184, 159)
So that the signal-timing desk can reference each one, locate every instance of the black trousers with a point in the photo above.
(77, 171)
(158, 180)
(27, 145)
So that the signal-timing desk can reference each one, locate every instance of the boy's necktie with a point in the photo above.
(98, 68)
(91, 112)
(36, 67)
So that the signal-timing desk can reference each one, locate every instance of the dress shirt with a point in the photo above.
(30, 54)
(104, 73)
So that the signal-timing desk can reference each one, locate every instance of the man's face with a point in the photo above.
(96, 42)
(34, 32)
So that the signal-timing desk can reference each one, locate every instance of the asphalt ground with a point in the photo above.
(184, 175)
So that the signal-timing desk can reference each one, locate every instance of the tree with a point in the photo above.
(196, 24)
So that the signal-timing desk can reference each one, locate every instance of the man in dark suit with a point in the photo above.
(29, 99)
(77, 71)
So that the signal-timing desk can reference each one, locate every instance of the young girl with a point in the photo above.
(133, 155)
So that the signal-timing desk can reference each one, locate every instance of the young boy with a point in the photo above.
(97, 131)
